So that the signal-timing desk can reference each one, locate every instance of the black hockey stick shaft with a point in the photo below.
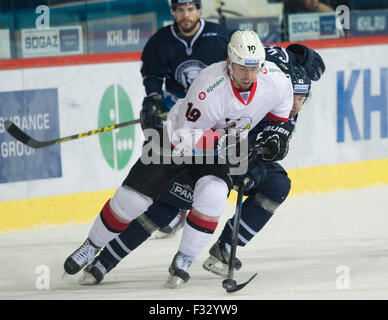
(229, 283)
(236, 225)
(23, 137)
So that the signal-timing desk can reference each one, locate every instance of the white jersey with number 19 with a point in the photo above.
(213, 103)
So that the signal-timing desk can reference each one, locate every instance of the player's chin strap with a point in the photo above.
(229, 284)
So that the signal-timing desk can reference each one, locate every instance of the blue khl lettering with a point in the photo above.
(371, 103)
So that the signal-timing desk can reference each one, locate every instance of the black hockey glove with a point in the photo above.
(256, 173)
(150, 114)
(309, 59)
(275, 138)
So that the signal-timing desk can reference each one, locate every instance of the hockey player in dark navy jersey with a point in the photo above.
(176, 54)
(171, 60)
(268, 188)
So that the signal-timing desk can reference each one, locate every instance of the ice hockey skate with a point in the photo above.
(179, 270)
(81, 257)
(218, 261)
(93, 274)
(174, 226)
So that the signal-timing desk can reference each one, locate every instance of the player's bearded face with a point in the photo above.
(187, 18)
(244, 76)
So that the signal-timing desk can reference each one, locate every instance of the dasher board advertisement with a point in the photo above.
(313, 26)
(54, 41)
(5, 48)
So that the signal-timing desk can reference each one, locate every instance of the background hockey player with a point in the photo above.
(242, 99)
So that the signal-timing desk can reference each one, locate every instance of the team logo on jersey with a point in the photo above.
(183, 192)
(237, 125)
(187, 71)
(244, 96)
(202, 95)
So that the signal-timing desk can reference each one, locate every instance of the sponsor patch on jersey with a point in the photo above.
(188, 71)
(183, 192)
(275, 70)
(215, 85)
(202, 95)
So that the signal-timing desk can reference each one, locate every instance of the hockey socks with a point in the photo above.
(106, 226)
(253, 218)
(122, 245)
(157, 216)
(197, 232)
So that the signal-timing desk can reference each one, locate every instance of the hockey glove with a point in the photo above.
(275, 138)
(309, 59)
(256, 173)
(150, 114)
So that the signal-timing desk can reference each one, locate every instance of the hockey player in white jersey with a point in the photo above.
(237, 94)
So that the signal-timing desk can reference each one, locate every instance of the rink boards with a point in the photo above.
(340, 142)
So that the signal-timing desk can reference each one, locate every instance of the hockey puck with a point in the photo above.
(229, 284)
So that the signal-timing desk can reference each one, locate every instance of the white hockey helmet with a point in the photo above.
(246, 49)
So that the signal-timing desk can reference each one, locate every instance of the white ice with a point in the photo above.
(329, 246)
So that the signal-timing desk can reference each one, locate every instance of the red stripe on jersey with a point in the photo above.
(111, 218)
(208, 140)
(202, 221)
(271, 117)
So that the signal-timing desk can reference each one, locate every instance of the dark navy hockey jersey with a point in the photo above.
(168, 56)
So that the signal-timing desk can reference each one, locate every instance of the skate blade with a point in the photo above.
(173, 282)
(215, 266)
(161, 235)
(87, 279)
(65, 275)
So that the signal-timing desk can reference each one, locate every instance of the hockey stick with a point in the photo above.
(24, 138)
(229, 284)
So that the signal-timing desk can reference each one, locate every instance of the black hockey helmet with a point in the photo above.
(175, 3)
(300, 80)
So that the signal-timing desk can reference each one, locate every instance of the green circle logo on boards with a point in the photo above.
(116, 145)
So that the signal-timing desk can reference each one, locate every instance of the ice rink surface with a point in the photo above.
(329, 246)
